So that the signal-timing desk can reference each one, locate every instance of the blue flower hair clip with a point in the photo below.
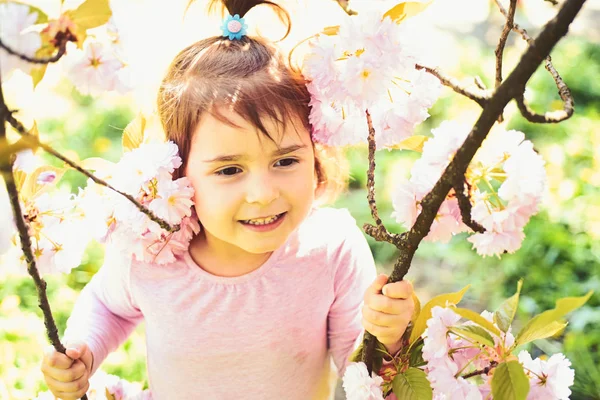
(234, 27)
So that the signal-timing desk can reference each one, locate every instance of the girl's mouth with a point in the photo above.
(264, 224)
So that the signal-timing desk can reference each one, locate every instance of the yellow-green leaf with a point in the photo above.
(476, 333)
(505, 314)
(91, 13)
(478, 319)
(331, 30)
(510, 382)
(404, 10)
(414, 143)
(412, 385)
(541, 326)
(37, 74)
(417, 308)
(133, 135)
(442, 300)
(33, 188)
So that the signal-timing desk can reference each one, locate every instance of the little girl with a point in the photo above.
(273, 285)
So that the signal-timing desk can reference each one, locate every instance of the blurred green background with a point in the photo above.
(559, 257)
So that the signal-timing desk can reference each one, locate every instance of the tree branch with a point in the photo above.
(550, 117)
(21, 129)
(512, 87)
(62, 49)
(465, 206)
(480, 97)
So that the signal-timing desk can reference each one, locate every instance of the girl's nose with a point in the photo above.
(261, 189)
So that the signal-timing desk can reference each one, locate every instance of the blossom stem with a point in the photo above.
(483, 371)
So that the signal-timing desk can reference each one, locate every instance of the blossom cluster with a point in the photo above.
(370, 64)
(61, 224)
(57, 232)
(104, 386)
(146, 174)
(97, 63)
(449, 357)
(505, 182)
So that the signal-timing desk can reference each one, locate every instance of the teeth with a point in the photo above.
(262, 221)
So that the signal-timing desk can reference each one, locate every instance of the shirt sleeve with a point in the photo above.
(105, 313)
(354, 272)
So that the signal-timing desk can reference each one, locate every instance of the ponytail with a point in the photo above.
(241, 7)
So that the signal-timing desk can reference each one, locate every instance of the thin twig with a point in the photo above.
(21, 129)
(510, 19)
(465, 206)
(480, 97)
(34, 60)
(550, 117)
(483, 371)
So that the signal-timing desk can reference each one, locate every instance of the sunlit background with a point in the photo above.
(559, 257)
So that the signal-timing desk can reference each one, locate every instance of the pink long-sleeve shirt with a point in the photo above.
(269, 334)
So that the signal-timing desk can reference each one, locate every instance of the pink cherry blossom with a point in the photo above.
(548, 379)
(370, 65)
(359, 385)
(94, 69)
(146, 174)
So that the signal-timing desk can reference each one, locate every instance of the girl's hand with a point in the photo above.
(387, 311)
(67, 376)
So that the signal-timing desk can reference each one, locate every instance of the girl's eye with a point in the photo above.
(286, 162)
(229, 171)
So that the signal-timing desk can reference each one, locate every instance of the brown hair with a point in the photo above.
(252, 78)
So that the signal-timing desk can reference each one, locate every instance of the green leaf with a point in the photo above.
(478, 319)
(404, 10)
(416, 354)
(412, 385)
(505, 314)
(475, 333)
(546, 324)
(91, 14)
(510, 382)
(442, 300)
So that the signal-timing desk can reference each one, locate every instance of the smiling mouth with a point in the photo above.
(262, 221)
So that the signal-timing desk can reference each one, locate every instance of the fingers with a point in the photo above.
(398, 290)
(64, 390)
(76, 350)
(382, 319)
(72, 373)
(54, 359)
(377, 285)
(385, 335)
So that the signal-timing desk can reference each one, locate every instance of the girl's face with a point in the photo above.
(251, 193)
